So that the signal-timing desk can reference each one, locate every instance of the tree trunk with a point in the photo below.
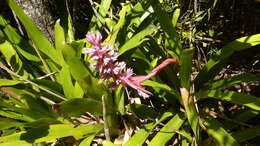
(42, 13)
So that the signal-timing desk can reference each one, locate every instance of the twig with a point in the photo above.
(106, 129)
(47, 100)
(207, 39)
(45, 76)
(18, 23)
(30, 82)
(44, 63)
(97, 16)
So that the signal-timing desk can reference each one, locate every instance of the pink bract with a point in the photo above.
(108, 66)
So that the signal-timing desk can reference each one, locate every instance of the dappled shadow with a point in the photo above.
(35, 133)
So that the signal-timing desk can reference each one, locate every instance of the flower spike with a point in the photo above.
(108, 66)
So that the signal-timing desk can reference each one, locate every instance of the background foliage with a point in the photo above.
(51, 96)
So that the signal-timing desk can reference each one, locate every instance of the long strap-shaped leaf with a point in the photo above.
(233, 97)
(245, 77)
(167, 26)
(167, 132)
(216, 130)
(214, 65)
(18, 42)
(52, 132)
(247, 134)
(139, 138)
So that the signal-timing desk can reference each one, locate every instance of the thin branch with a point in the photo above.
(30, 82)
(207, 39)
(97, 16)
(44, 63)
(18, 23)
(47, 100)
(45, 76)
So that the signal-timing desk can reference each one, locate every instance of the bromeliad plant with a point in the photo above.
(55, 94)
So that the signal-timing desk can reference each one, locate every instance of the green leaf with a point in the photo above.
(13, 59)
(119, 99)
(16, 143)
(242, 117)
(137, 39)
(6, 82)
(216, 130)
(15, 115)
(40, 41)
(167, 132)
(21, 45)
(66, 82)
(104, 6)
(157, 85)
(60, 40)
(82, 74)
(139, 138)
(111, 39)
(142, 111)
(247, 134)
(167, 26)
(175, 16)
(234, 97)
(42, 122)
(214, 65)
(108, 143)
(244, 77)
(52, 132)
(186, 67)
(87, 141)
(8, 123)
(76, 107)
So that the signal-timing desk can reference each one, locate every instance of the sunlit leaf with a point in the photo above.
(87, 141)
(215, 129)
(52, 132)
(167, 132)
(234, 97)
(139, 138)
(76, 107)
(137, 39)
(215, 64)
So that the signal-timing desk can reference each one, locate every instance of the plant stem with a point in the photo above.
(106, 129)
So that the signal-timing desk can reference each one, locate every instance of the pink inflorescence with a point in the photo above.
(107, 65)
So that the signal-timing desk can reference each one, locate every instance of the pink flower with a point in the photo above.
(135, 81)
(108, 66)
(94, 39)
